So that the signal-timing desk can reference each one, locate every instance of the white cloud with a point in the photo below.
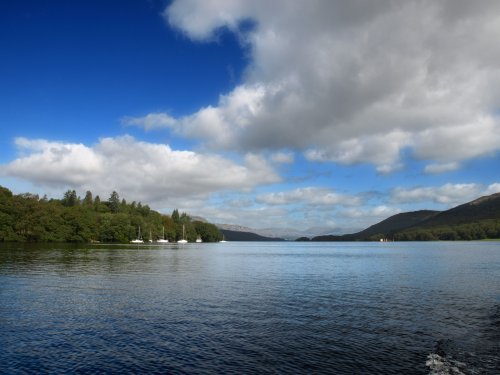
(359, 218)
(382, 150)
(256, 217)
(52, 162)
(459, 142)
(448, 194)
(370, 214)
(282, 157)
(441, 167)
(151, 121)
(200, 19)
(493, 188)
(153, 173)
(355, 81)
(310, 196)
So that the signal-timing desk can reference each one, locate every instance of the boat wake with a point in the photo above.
(441, 362)
(451, 357)
(443, 366)
(475, 353)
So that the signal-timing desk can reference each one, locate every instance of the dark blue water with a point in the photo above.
(253, 308)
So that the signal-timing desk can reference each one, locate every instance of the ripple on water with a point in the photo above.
(285, 308)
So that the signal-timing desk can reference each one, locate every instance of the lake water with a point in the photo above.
(252, 308)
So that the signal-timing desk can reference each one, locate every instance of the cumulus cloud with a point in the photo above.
(52, 162)
(138, 170)
(382, 150)
(441, 167)
(359, 218)
(448, 194)
(310, 196)
(255, 217)
(151, 121)
(282, 157)
(354, 81)
(370, 214)
(493, 188)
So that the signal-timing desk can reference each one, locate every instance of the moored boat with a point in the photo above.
(139, 237)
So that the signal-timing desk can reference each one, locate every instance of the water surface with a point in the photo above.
(266, 308)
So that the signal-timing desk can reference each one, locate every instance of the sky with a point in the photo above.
(324, 114)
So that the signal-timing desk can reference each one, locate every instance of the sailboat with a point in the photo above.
(198, 239)
(150, 236)
(139, 238)
(162, 240)
(183, 240)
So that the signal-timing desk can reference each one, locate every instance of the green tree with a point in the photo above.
(114, 202)
(185, 218)
(70, 198)
(208, 232)
(124, 206)
(7, 216)
(170, 229)
(98, 205)
(88, 200)
(175, 216)
(25, 217)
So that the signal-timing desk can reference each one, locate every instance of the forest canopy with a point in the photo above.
(29, 218)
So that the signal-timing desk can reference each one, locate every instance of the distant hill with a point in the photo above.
(389, 225)
(483, 208)
(232, 235)
(289, 234)
(398, 222)
(479, 219)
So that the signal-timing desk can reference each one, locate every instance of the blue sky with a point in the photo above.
(325, 114)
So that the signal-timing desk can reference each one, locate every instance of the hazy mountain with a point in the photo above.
(479, 211)
(236, 228)
(232, 235)
(283, 233)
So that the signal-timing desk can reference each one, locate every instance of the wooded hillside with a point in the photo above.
(29, 218)
(476, 220)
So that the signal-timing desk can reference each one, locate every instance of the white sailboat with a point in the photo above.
(163, 239)
(139, 238)
(198, 239)
(183, 240)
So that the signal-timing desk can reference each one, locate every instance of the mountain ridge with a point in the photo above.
(477, 219)
(416, 225)
(231, 235)
(282, 233)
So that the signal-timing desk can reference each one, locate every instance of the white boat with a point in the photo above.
(162, 240)
(223, 239)
(150, 236)
(139, 238)
(183, 240)
(198, 239)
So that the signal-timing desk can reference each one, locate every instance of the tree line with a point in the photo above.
(29, 218)
(478, 230)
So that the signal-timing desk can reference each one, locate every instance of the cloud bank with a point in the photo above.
(448, 195)
(352, 81)
(137, 170)
(311, 196)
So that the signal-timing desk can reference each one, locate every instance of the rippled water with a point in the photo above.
(266, 308)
